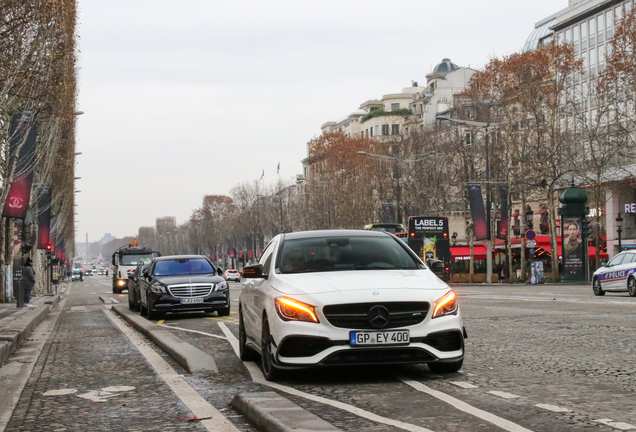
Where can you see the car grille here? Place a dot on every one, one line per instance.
(379, 356)
(189, 291)
(356, 315)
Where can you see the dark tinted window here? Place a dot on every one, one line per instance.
(344, 253)
(133, 259)
(183, 267)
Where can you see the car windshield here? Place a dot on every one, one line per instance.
(134, 259)
(320, 254)
(183, 266)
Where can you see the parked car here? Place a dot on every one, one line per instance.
(232, 275)
(346, 298)
(618, 275)
(133, 285)
(183, 283)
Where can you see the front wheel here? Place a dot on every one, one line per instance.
(152, 313)
(446, 367)
(270, 372)
(596, 287)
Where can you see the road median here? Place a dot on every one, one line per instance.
(190, 357)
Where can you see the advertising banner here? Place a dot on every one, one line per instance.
(22, 160)
(477, 210)
(572, 246)
(503, 226)
(428, 237)
(44, 216)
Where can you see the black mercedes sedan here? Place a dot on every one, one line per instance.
(182, 283)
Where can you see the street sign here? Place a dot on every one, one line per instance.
(531, 243)
(531, 235)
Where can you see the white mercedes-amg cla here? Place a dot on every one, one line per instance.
(323, 298)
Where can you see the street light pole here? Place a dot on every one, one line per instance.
(619, 224)
(488, 205)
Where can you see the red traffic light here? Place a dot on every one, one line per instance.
(48, 247)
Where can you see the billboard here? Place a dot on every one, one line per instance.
(428, 237)
(477, 210)
(572, 246)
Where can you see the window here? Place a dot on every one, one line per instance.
(609, 24)
(583, 35)
(376, 132)
(385, 129)
(616, 260)
(371, 130)
(586, 65)
(395, 106)
(561, 37)
(592, 25)
(183, 266)
(395, 129)
(592, 62)
(266, 258)
(576, 39)
(600, 24)
(469, 138)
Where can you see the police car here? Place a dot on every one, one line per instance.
(619, 274)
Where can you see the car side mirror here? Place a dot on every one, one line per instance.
(146, 275)
(219, 271)
(254, 271)
(603, 263)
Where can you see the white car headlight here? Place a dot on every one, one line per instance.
(447, 305)
(292, 310)
(221, 286)
(157, 288)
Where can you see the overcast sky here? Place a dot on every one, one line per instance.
(188, 98)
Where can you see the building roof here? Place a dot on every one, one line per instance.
(445, 66)
(540, 32)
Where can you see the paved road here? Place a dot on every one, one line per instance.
(88, 375)
(539, 358)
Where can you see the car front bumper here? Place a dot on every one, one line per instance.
(216, 300)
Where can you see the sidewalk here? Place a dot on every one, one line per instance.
(16, 324)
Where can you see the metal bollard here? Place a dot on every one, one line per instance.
(18, 290)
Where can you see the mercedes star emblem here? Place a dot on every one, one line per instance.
(378, 316)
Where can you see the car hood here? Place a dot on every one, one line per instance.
(187, 279)
(357, 280)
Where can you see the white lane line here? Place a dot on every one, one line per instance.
(463, 406)
(113, 300)
(503, 394)
(617, 425)
(194, 331)
(552, 408)
(189, 396)
(257, 377)
(464, 384)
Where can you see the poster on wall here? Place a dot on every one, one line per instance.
(572, 246)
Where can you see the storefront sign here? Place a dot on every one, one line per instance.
(630, 208)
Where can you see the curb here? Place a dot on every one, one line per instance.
(19, 329)
(273, 413)
(190, 357)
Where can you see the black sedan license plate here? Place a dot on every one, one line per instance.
(191, 300)
(379, 338)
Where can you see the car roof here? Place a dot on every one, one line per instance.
(175, 257)
(334, 233)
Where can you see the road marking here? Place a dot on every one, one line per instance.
(257, 377)
(78, 308)
(196, 331)
(160, 322)
(222, 319)
(503, 394)
(617, 425)
(552, 408)
(60, 392)
(464, 384)
(189, 396)
(113, 300)
(463, 406)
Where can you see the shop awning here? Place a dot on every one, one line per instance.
(541, 211)
(515, 214)
(463, 252)
(592, 253)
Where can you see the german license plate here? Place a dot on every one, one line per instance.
(191, 300)
(379, 338)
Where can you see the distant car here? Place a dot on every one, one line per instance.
(134, 278)
(180, 283)
(102, 272)
(76, 275)
(618, 275)
(88, 272)
(232, 275)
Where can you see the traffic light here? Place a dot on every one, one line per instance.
(587, 227)
(48, 250)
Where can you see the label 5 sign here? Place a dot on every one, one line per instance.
(428, 223)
